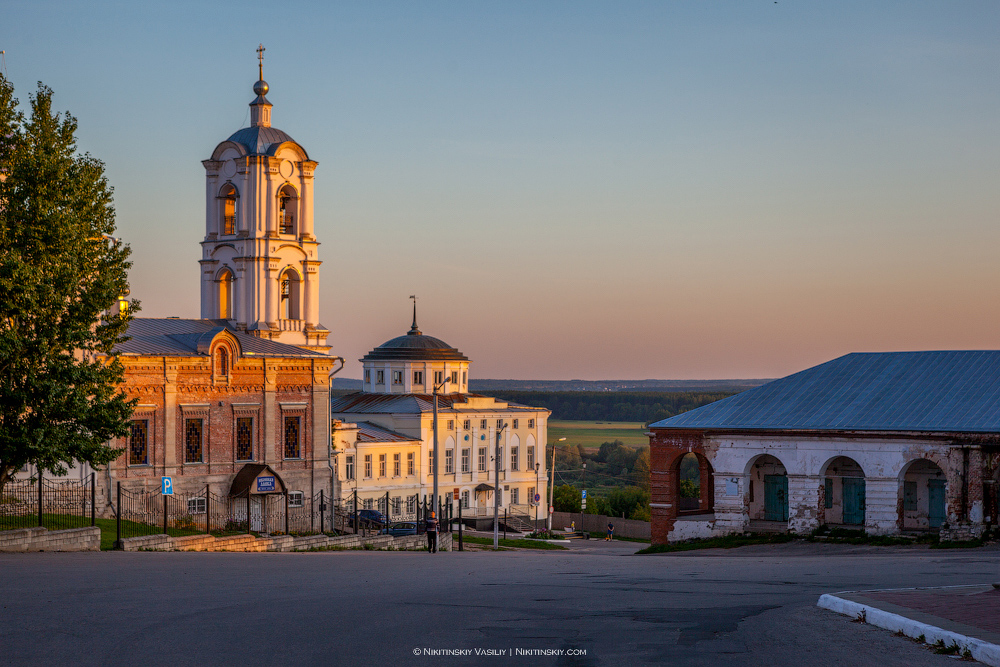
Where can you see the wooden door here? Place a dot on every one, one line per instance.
(935, 503)
(775, 498)
(854, 501)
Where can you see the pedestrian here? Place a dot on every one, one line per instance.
(432, 533)
(611, 532)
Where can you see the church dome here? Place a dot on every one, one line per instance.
(415, 346)
(260, 140)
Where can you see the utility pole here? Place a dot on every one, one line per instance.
(583, 500)
(552, 486)
(496, 491)
(434, 502)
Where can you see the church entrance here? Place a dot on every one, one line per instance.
(257, 498)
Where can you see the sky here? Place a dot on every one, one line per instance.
(573, 190)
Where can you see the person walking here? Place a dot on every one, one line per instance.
(432, 533)
(611, 532)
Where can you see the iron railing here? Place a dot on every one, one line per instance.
(47, 503)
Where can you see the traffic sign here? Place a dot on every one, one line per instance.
(551, 509)
(537, 497)
(167, 487)
(583, 504)
(584, 494)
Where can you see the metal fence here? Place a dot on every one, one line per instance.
(149, 512)
(53, 505)
(349, 517)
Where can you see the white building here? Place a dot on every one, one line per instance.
(384, 435)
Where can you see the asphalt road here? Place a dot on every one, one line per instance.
(751, 606)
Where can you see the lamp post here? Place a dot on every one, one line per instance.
(434, 501)
(496, 491)
(552, 486)
(537, 469)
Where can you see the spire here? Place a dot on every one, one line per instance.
(414, 331)
(260, 108)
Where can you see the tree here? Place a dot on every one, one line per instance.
(60, 278)
(566, 498)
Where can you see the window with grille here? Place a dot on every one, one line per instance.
(514, 496)
(368, 465)
(465, 500)
(381, 465)
(196, 505)
(531, 423)
(465, 460)
(397, 377)
(449, 461)
(531, 494)
(395, 465)
(293, 446)
(451, 424)
(349, 467)
(513, 459)
(513, 423)
(482, 459)
(531, 459)
(296, 499)
(467, 424)
(192, 440)
(244, 438)
(138, 443)
(409, 463)
(418, 377)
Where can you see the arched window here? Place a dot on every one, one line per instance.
(228, 196)
(222, 361)
(288, 201)
(225, 295)
(288, 307)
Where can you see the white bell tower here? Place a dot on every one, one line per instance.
(260, 263)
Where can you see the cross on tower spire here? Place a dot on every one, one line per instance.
(260, 62)
(414, 331)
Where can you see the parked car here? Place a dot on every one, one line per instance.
(368, 519)
(400, 528)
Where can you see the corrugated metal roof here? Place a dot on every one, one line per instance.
(177, 337)
(368, 432)
(948, 391)
(366, 403)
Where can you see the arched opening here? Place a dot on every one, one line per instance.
(695, 485)
(225, 284)
(842, 496)
(222, 361)
(288, 201)
(767, 490)
(228, 197)
(922, 504)
(288, 307)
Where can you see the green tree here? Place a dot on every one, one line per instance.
(60, 279)
(566, 498)
(632, 502)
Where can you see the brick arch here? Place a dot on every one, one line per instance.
(667, 448)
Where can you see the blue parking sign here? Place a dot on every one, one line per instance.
(167, 488)
(584, 494)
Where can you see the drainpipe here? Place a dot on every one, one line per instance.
(331, 446)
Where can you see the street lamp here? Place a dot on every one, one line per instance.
(496, 491)
(552, 486)
(434, 498)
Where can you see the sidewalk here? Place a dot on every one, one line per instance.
(968, 616)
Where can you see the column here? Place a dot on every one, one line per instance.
(803, 503)
(881, 505)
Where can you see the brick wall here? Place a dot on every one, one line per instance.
(666, 448)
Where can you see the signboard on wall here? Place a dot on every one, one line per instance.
(266, 484)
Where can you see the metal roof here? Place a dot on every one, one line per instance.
(368, 432)
(176, 337)
(948, 391)
(366, 403)
(258, 140)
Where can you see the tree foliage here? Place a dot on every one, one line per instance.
(566, 498)
(60, 278)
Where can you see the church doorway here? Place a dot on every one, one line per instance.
(257, 498)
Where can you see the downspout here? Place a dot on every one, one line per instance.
(331, 446)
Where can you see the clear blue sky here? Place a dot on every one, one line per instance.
(578, 189)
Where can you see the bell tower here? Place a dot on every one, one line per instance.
(260, 262)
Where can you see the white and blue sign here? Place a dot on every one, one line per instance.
(265, 484)
(584, 494)
(167, 486)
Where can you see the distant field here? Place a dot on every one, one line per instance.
(592, 434)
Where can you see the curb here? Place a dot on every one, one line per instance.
(984, 652)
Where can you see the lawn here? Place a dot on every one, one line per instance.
(593, 434)
(518, 544)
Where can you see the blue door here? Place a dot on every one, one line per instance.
(775, 498)
(935, 502)
(854, 501)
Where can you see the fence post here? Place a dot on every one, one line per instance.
(286, 512)
(118, 520)
(93, 499)
(208, 511)
(356, 512)
(248, 511)
(505, 524)
(322, 506)
(388, 510)
(460, 526)
(38, 468)
(165, 514)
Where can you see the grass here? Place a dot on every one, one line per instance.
(593, 434)
(725, 542)
(598, 535)
(517, 544)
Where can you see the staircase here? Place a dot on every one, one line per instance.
(520, 524)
